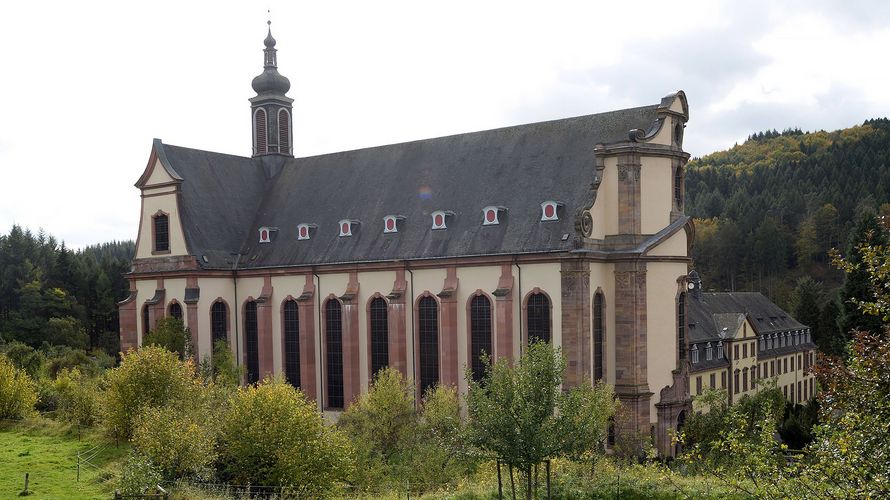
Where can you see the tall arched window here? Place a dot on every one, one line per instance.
(260, 135)
(219, 322)
(146, 320)
(175, 310)
(251, 342)
(283, 132)
(428, 333)
(379, 335)
(681, 326)
(480, 334)
(538, 318)
(333, 316)
(291, 319)
(598, 334)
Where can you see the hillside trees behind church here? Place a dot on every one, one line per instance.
(54, 295)
(768, 211)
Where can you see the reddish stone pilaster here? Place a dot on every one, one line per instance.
(351, 371)
(306, 304)
(127, 314)
(397, 318)
(159, 305)
(504, 314)
(575, 300)
(631, 372)
(192, 293)
(629, 194)
(264, 329)
(448, 362)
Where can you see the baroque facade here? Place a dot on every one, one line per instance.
(423, 255)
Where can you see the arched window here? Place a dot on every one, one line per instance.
(681, 326)
(333, 316)
(146, 320)
(251, 342)
(598, 334)
(161, 233)
(480, 334)
(259, 129)
(719, 349)
(708, 352)
(379, 335)
(175, 310)
(538, 318)
(678, 187)
(219, 322)
(694, 353)
(283, 132)
(428, 333)
(291, 319)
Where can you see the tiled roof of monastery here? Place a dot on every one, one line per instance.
(709, 315)
(226, 199)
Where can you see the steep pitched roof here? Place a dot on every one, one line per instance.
(709, 315)
(226, 199)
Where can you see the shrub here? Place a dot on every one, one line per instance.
(139, 474)
(223, 368)
(25, 357)
(17, 391)
(271, 435)
(171, 334)
(69, 359)
(47, 396)
(149, 377)
(78, 397)
(177, 441)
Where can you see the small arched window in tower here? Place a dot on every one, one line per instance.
(480, 334)
(379, 322)
(175, 311)
(161, 232)
(219, 321)
(291, 319)
(678, 187)
(428, 336)
(550, 210)
(599, 358)
(538, 316)
(251, 342)
(681, 326)
(284, 132)
(260, 135)
(333, 315)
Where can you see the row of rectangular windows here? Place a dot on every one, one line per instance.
(807, 391)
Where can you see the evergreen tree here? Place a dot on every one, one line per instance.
(868, 231)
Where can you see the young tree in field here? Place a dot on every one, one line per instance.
(171, 334)
(520, 415)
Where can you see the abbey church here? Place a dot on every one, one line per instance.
(426, 254)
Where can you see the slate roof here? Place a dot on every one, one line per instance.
(708, 315)
(226, 199)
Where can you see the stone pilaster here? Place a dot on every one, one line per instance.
(503, 347)
(397, 318)
(575, 284)
(192, 294)
(629, 212)
(306, 304)
(127, 314)
(448, 363)
(351, 371)
(631, 374)
(264, 329)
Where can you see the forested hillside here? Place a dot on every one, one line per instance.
(769, 210)
(49, 293)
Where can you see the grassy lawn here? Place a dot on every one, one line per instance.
(47, 450)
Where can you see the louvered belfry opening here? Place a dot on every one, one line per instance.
(251, 342)
(334, 344)
(219, 317)
(538, 318)
(480, 334)
(428, 333)
(379, 335)
(283, 132)
(292, 343)
(260, 132)
(162, 233)
(598, 333)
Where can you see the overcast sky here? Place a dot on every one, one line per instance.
(85, 86)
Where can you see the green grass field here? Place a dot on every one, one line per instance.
(47, 451)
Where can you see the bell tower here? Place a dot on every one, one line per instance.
(270, 110)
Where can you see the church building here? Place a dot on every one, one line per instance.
(426, 254)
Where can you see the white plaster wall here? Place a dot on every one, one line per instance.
(213, 288)
(547, 277)
(656, 189)
(661, 325)
(175, 289)
(150, 206)
(605, 208)
(674, 246)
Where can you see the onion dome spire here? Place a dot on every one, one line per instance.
(270, 81)
(270, 109)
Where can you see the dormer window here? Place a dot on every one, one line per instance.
(304, 231)
(720, 349)
(708, 352)
(490, 215)
(439, 217)
(550, 210)
(346, 227)
(694, 353)
(391, 223)
(266, 234)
